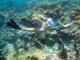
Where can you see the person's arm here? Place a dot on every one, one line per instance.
(43, 17)
(28, 29)
(37, 19)
(67, 25)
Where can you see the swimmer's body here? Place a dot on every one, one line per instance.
(42, 26)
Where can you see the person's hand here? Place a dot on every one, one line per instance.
(41, 15)
(59, 21)
(35, 18)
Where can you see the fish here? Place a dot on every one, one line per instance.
(76, 48)
(61, 45)
(62, 50)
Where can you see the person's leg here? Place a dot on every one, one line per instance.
(28, 29)
(32, 29)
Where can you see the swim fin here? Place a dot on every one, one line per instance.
(12, 24)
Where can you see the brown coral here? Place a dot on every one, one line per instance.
(34, 54)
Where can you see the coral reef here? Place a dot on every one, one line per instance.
(23, 45)
(34, 54)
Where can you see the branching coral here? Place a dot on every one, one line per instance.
(75, 14)
(77, 21)
(45, 6)
(77, 17)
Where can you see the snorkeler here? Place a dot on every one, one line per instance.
(41, 26)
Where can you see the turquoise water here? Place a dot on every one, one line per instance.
(22, 39)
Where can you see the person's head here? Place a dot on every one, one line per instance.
(56, 13)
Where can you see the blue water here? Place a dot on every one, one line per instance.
(7, 4)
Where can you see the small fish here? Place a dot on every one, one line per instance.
(61, 45)
(74, 45)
